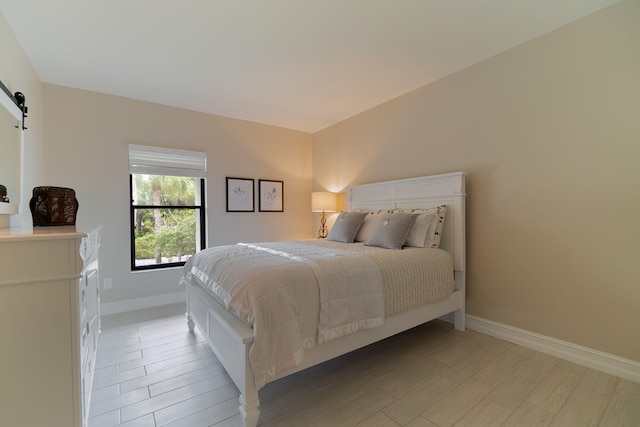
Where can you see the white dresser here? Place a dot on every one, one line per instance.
(49, 325)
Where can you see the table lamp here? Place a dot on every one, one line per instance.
(323, 201)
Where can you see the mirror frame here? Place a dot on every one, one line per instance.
(8, 102)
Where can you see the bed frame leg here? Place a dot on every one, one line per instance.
(190, 323)
(249, 412)
(459, 319)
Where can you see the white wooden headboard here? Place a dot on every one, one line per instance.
(423, 192)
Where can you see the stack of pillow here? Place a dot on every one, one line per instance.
(391, 229)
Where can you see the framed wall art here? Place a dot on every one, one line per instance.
(240, 195)
(271, 196)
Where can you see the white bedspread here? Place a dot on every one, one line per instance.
(294, 295)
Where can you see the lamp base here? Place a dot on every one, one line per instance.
(323, 231)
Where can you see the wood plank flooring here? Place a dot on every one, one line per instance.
(151, 372)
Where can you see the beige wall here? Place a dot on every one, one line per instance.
(18, 75)
(549, 133)
(87, 137)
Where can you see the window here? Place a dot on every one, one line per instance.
(167, 189)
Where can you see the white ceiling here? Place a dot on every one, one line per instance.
(299, 64)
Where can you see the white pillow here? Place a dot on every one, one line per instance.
(437, 234)
(426, 232)
(417, 237)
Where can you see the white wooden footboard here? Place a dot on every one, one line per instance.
(230, 339)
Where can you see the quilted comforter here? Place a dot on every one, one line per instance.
(296, 295)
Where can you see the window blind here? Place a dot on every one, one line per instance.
(147, 160)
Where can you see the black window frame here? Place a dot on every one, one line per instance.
(202, 216)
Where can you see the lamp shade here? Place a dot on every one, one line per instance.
(323, 201)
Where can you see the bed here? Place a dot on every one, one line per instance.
(232, 337)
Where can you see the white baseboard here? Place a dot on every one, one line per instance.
(138, 303)
(614, 365)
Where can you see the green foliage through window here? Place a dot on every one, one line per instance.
(167, 219)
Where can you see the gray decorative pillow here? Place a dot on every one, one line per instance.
(391, 230)
(368, 226)
(346, 226)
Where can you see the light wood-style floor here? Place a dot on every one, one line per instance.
(152, 372)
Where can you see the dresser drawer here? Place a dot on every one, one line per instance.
(85, 343)
(83, 296)
(38, 260)
(91, 279)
